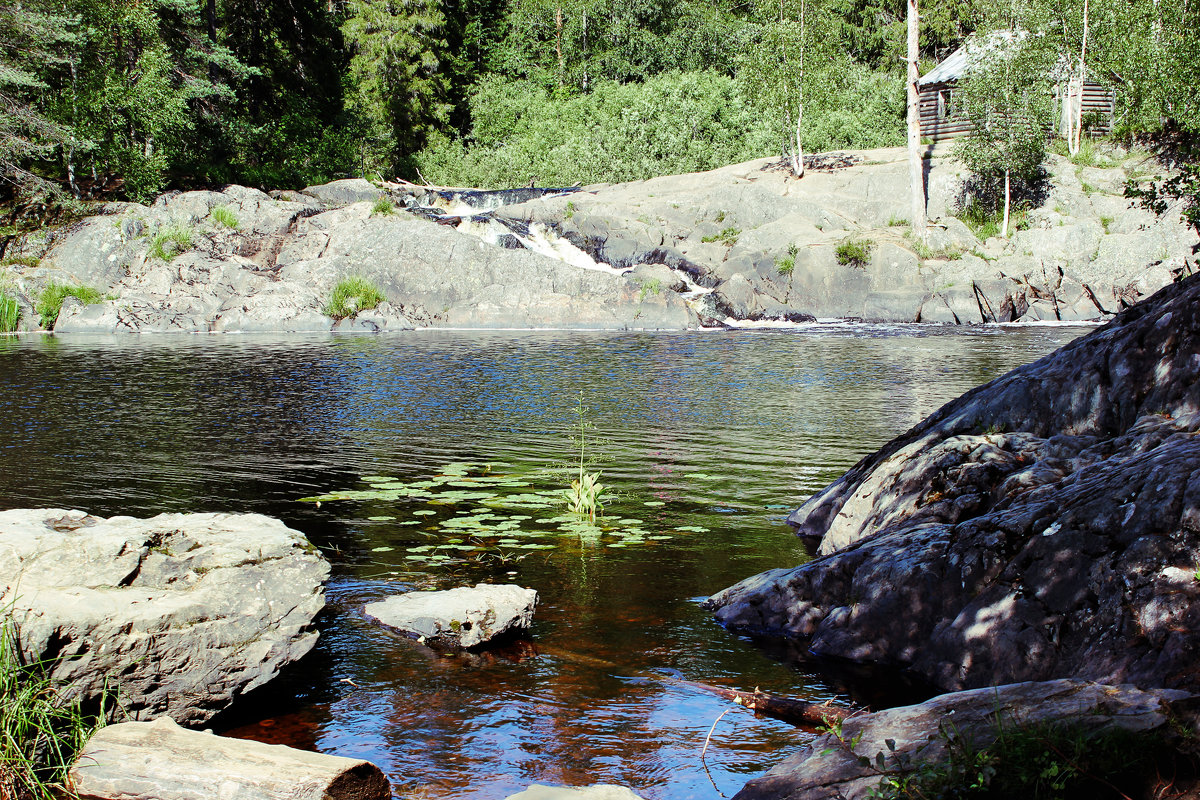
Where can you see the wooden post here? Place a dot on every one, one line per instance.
(161, 761)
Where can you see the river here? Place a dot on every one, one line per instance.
(437, 454)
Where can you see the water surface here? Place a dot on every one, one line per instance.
(719, 434)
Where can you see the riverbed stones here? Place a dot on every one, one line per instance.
(457, 618)
(161, 761)
(180, 614)
(1043, 526)
(846, 765)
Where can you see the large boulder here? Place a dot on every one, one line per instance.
(180, 613)
(1046, 525)
(457, 618)
(850, 763)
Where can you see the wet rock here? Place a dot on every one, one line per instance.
(912, 737)
(182, 613)
(458, 618)
(1042, 526)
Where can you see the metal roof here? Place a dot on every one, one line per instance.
(972, 50)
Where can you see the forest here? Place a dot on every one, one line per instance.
(124, 99)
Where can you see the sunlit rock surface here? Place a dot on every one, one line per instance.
(1045, 525)
(462, 617)
(179, 613)
(899, 739)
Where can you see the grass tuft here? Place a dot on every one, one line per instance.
(352, 295)
(223, 215)
(168, 242)
(10, 313)
(855, 253)
(50, 302)
(383, 205)
(727, 237)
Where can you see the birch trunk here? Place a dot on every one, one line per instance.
(916, 166)
(1007, 201)
(1073, 145)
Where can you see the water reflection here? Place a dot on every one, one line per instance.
(145, 425)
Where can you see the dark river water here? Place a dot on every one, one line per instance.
(452, 448)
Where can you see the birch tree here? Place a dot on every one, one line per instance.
(916, 164)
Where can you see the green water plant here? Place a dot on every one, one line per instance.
(51, 299)
(10, 313)
(41, 731)
(584, 495)
(352, 295)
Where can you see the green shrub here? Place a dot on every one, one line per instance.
(383, 205)
(50, 301)
(787, 264)
(168, 242)
(855, 252)
(352, 295)
(650, 286)
(1040, 762)
(10, 313)
(223, 215)
(40, 731)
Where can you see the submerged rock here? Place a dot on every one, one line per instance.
(459, 618)
(1046, 525)
(901, 740)
(180, 613)
(600, 791)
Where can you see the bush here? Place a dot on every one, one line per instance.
(168, 242)
(855, 253)
(352, 295)
(50, 302)
(40, 732)
(383, 205)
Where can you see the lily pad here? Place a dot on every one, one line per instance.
(382, 549)
(654, 503)
(381, 519)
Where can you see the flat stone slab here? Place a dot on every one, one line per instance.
(181, 613)
(458, 618)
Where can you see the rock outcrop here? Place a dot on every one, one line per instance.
(179, 613)
(900, 740)
(740, 245)
(1045, 525)
(457, 618)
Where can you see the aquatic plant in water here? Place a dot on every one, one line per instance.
(584, 495)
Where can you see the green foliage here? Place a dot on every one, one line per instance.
(10, 313)
(352, 295)
(650, 287)
(1181, 188)
(584, 495)
(1006, 96)
(168, 242)
(672, 123)
(854, 252)
(51, 299)
(25, 261)
(41, 731)
(223, 215)
(1040, 762)
(383, 205)
(727, 237)
(787, 264)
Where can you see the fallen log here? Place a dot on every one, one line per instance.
(161, 761)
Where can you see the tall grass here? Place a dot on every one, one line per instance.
(352, 295)
(50, 301)
(41, 731)
(10, 313)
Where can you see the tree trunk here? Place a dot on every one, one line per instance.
(558, 31)
(916, 165)
(787, 709)
(1007, 201)
(161, 761)
(798, 164)
(1073, 145)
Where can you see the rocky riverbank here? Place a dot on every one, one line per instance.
(746, 244)
(1041, 527)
